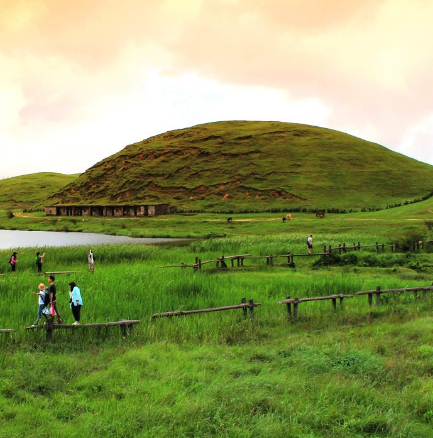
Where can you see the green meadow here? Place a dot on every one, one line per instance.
(359, 371)
(28, 191)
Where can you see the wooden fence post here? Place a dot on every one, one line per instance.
(334, 304)
(289, 308)
(344, 248)
(49, 334)
(377, 247)
(377, 296)
(251, 302)
(370, 299)
(243, 301)
(295, 310)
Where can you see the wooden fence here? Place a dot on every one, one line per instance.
(244, 305)
(328, 251)
(377, 293)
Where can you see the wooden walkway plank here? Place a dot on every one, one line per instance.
(60, 272)
(124, 324)
(243, 305)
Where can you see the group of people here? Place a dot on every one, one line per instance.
(47, 302)
(13, 260)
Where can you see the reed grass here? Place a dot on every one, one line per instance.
(357, 372)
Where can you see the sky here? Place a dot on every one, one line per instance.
(80, 80)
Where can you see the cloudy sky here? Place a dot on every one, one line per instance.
(79, 80)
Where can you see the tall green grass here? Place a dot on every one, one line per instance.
(358, 372)
(130, 283)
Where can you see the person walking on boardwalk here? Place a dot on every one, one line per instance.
(91, 260)
(53, 300)
(310, 243)
(39, 261)
(41, 302)
(13, 261)
(75, 301)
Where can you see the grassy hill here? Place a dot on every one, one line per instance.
(29, 191)
(238, 165)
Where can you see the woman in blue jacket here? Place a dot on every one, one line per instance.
(75, 301)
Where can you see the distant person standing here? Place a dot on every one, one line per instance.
(39, 261)
(53, 299)
(310, 243)
(91, 260)
(75, 301)
(13, 261)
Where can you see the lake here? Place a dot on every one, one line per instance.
(13, 239)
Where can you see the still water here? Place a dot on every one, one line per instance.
(13, 239)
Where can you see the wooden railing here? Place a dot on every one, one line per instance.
(377, 293)
(244, 305)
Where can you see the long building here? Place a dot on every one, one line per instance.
(108, 210)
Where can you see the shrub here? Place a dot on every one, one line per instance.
(10, 214)
(405, 240)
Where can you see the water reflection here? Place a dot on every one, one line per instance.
(12, 239)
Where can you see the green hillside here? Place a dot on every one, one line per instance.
(29, 191)
(241, 165)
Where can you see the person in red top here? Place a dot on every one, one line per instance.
(13, 261)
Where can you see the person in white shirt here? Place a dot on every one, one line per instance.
(310, 243)
(91, 261)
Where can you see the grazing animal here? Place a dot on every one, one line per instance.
(320, 213)
(229, 219)
(289, 216)
(284, 219)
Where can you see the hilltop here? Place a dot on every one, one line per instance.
(30, 191)
(239, 165)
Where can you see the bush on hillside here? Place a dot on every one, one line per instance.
(429, 224)
(406, 239)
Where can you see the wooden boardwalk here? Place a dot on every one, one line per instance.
(125, 325)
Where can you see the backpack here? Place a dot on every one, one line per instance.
(47, 298)
(307, 240)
